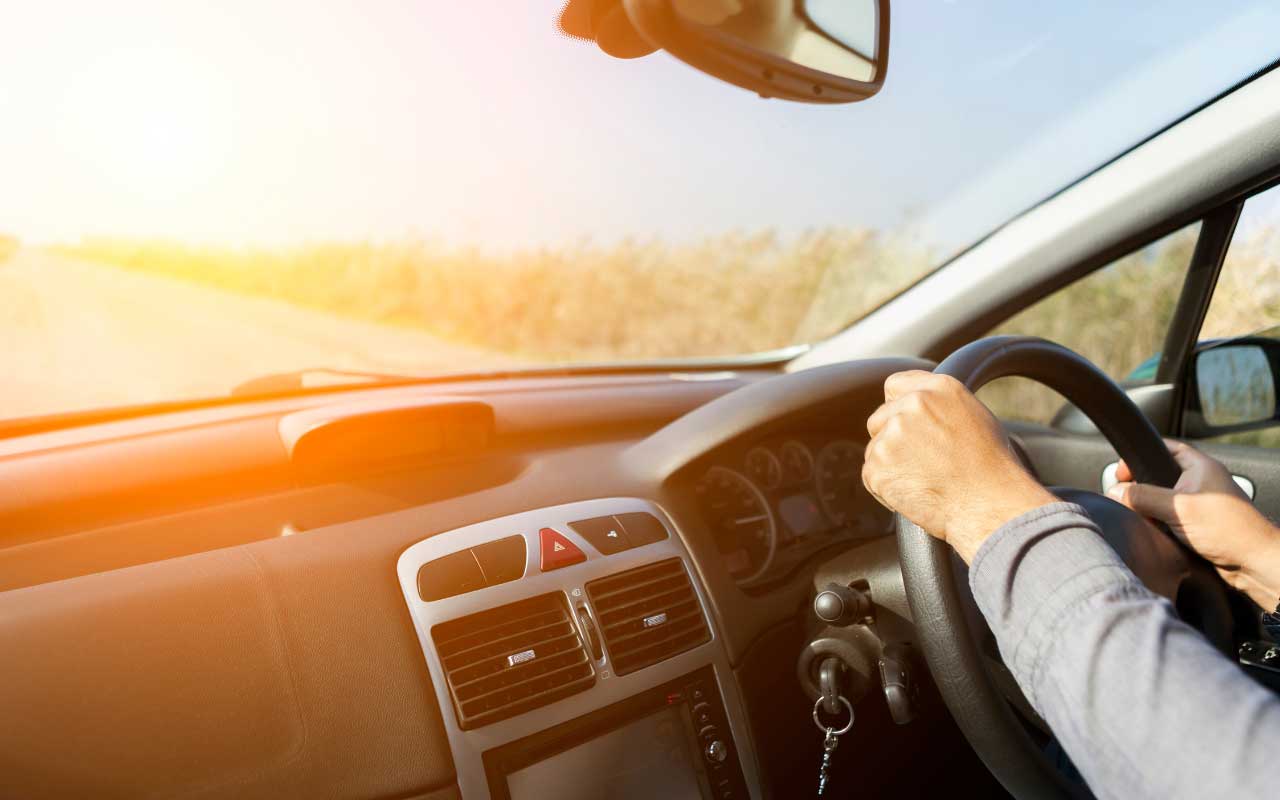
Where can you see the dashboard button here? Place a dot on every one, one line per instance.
(501, 561)
(557, 551)
(449, 575)
(604, 533)
(702, 715)
(642, 528)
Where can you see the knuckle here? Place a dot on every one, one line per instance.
(894, 427)
(947, 383)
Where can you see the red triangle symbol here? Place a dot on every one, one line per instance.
(557, 551)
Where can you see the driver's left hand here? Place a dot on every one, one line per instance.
(938, 457)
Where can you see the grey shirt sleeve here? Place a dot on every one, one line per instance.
(1142, 704)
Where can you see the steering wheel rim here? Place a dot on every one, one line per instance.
(939, 599)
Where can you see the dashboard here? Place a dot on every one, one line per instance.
(279, 547)
(773, 503)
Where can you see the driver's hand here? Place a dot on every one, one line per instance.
(1208, 511)
(938, 457)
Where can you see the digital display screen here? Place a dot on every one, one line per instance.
(800, 513)
(650, 757)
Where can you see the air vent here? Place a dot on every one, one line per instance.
(512, 659)
(648, 615)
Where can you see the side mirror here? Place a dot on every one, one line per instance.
(1232, 387)
(813, 51)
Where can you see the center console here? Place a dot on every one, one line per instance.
(573, 656)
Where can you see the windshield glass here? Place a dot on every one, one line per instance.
(197, 196)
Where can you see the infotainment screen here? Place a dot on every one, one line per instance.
(672, 741)
(650, 757)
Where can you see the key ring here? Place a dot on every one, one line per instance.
(824, 728)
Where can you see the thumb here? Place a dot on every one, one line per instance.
(1147, 500)
(1123, 473)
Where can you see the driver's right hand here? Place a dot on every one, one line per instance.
(1208, 511)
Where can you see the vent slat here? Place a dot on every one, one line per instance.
(538, 700)
(507, 644)
(647, 605)
(606, 586)
(497, 667)
(476, 652)
(550, 679)
(487, 634)
(624, 601)
(624, 634)
(659, 651)
(638, 586)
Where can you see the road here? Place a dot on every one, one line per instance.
(78, 335)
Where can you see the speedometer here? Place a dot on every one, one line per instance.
(738, 513)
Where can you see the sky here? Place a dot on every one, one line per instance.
(476, 124)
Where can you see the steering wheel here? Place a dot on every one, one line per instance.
(956, 643)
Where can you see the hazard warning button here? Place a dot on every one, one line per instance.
(558, 551)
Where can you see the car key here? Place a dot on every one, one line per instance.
(830, 740)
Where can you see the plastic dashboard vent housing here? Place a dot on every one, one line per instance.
(512, 659)
(648, 614)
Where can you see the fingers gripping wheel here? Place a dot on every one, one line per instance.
(937, 585)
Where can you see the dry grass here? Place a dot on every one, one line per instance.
(8, 246)
(634, 300)
(723, 295)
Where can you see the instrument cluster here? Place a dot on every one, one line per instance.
(777, 501)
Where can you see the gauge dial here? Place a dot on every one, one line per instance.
(797, 461)
(745, 529)
(839, 481)
(764, 468)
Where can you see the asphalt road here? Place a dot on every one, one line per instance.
(77, 335)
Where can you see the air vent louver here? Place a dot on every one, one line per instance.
(647, 615)
(512, 659)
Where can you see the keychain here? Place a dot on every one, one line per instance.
(830, 740)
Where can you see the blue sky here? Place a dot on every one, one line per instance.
(476, 124)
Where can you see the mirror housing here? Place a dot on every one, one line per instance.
(1232, 387)
(811, 51)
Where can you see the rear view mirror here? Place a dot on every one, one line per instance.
(815, 51)
(1233, 387)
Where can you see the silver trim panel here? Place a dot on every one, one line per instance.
(469, 746)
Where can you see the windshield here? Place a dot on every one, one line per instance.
(197, 196)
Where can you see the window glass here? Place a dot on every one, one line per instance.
(1246, 303)
(226, 199)
(1116, 317)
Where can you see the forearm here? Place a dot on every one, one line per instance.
(1142, 704)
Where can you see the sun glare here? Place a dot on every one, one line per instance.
(148, 122)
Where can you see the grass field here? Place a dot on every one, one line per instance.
(633, 300)
(736, 293)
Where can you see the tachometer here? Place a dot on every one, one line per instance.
(839, 481)
(745, 530)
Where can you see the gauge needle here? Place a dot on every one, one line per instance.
(749, 520)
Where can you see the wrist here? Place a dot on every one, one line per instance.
(1259, 573)
(1007, 501)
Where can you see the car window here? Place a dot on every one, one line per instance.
(1245, 306)
(1116, 317)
